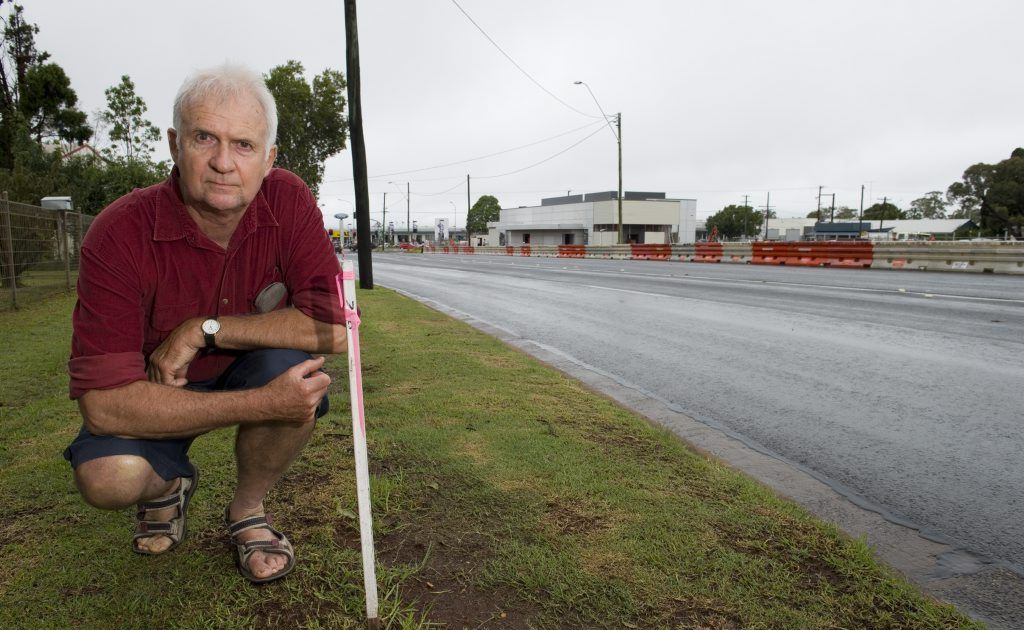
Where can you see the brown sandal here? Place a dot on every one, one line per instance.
(175, 528)
(244, 550)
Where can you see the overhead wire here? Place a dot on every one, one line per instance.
(466, 161)
(520, 68)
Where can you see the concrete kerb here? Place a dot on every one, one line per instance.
(987, 591)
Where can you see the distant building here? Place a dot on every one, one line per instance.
(592, 219)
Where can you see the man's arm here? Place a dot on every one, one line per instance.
(149, 410)
(284, 328)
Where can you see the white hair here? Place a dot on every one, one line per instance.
(222, 82)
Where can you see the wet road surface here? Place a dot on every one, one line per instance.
(902, 390)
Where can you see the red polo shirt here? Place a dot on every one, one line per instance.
(146, 267)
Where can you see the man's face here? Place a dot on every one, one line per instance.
(222, 160)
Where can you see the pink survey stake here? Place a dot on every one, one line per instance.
(352, 322)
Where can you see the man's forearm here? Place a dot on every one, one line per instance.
(147, 410)
(284, 328)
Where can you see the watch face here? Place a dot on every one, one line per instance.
(211, 326)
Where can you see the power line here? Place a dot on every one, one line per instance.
(537, 83)
(466, 161)
(572, 146)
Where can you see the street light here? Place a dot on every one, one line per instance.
(407, 203)
(618, 139)
(341, 216)
(455, 221)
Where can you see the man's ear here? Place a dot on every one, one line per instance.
(172, 142)
(271, 156)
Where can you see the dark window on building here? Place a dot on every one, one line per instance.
(526, 239)
(567, 239)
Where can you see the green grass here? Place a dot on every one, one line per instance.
(503, 492)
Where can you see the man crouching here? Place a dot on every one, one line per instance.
(200, 300)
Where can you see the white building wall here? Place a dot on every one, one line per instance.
(687, 225)
(564, 213)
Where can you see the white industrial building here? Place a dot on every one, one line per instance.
(592, 219)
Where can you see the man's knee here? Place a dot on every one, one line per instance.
(115, 481)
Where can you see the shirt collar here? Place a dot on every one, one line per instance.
(172, 221)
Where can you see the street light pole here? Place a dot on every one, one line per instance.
(618, 139)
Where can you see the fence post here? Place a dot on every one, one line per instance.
(5, 215)
(62, 247)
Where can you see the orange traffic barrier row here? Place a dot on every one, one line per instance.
(650, 252)
(708, 252)
(572, 251)
(810, 254)
(524, 250)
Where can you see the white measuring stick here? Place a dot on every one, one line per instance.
(347, 295)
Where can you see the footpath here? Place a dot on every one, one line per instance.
(505, 494)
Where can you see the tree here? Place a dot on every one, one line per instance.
(992, 195)
(883, 212)
(969, 193)
(134, 135)
(311, 124)
(733, 221)
(36, 98)
(484, 210)
(1003, 210)
(931, 206)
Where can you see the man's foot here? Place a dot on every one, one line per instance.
(161, 523)
(264, 554)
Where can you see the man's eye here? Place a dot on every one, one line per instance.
(203, 137)
(246, 146)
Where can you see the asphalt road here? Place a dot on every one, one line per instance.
(903, 390)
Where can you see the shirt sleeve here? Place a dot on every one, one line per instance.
(312, 264)
(107, 338)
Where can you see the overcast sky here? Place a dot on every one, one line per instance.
(718, 99)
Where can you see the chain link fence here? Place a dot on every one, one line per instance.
(39, 250)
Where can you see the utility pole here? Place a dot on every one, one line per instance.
(358, 145)
(618, 122)
(618, 139)
(408, 214)
(767, 213)
(832, 216)
(881, 220)
(746, 204)
(469, 206)
(384, 221)
(819, 203)
(860, 217)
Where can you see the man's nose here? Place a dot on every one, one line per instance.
(221, 160)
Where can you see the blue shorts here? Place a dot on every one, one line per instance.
(169, 458)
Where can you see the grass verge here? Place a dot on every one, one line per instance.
(504, 494)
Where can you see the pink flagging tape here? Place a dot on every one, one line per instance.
(352, 322)
(351, 314)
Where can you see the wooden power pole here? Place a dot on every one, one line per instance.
(358, 145)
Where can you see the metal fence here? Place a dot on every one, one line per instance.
(39, 250)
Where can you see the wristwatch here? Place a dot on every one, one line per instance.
(210, 329)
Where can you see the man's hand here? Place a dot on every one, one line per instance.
(294, 395)
(168, 364)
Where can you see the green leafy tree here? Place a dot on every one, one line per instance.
(311, 122)
(969, 193)
(133, 135)
(484, 210)
(883, 212)
(1003, 207)
(931, 206)
(733, 221)
(846, 213)
(36, 98)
